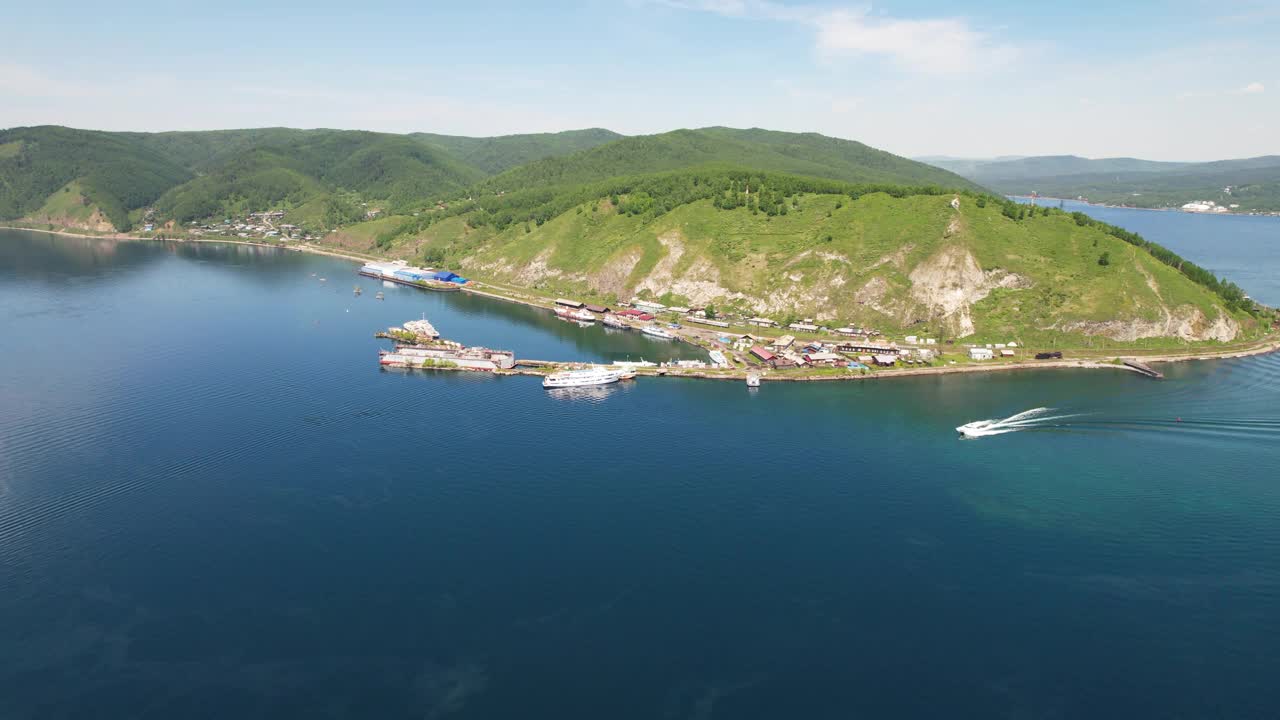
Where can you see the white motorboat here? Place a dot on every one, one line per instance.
(655, 331)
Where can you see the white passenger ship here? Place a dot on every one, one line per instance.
(581, 378)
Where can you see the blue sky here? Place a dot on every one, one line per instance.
(1179, 80)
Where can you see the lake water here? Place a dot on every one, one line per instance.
(214, 504)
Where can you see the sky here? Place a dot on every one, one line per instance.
(1175, 80)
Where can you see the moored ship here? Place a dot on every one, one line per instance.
(582, 378)
(655, 331)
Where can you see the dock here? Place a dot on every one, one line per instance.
(1143, 368)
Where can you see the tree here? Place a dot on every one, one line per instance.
(710, 311)
(1104, 259)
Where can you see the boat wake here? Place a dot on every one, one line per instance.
(1036, 418)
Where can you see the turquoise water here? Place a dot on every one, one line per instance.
(214, 504)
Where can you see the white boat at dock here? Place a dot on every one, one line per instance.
(611, 320)
(582, 378)
(655, 331)
(753, 380)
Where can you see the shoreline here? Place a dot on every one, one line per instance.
(1259, 213)
(1262, 347)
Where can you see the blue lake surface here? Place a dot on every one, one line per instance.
(214, 504)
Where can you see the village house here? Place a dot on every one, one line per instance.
(981, 353)
(762, 322)
(783, 342)
(803, 327)
(825, 358)
(868, 348)
(648, 305)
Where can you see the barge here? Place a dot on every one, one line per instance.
(447, 355)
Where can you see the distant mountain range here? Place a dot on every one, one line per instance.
(1251, 183)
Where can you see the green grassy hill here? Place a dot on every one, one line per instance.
(1254, 182)
(988, 271)
(492, 155)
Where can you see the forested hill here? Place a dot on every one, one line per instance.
(114, 172)
(807, 154)
(102, 181)
(394, 169)
(492, 155)
(97, 180)
(1254, 183)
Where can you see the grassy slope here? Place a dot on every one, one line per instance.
(601, 253)
(493, 155)
(802, 154)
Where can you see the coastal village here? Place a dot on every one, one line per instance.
(256, 226)
(801, 350)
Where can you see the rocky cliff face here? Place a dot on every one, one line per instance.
(949, 283)
(1185, 323)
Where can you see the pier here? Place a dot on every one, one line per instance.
(1142, 368)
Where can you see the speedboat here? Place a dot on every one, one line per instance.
(975, 429)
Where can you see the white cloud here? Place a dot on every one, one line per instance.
(1253, 88)
(929, 45)
(941, 45)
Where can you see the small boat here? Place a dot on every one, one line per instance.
(611, 320)
(581, 378)
(630, 374)
(358, 290)
(753, 380)
(655, 331)
(378, 296)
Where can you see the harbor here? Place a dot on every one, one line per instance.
(417, 345)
